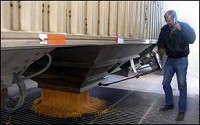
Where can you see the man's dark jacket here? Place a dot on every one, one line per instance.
(176, 42)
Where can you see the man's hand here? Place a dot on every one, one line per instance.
(160, 52)
(177, 26)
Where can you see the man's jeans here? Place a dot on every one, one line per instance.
(178, 66)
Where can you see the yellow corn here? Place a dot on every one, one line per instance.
(60, 104)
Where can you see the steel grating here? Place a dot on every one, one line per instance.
(125, 107)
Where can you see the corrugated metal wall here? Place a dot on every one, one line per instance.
(136, 19)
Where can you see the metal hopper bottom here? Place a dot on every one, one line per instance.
(80, 68)
(125, 107)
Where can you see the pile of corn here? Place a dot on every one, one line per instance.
(64, 104)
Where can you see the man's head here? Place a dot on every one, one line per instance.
(170, 17)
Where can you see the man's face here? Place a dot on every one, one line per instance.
(170, 21)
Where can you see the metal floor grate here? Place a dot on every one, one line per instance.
(125, 107)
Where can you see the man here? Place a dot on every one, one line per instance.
(174, 39)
